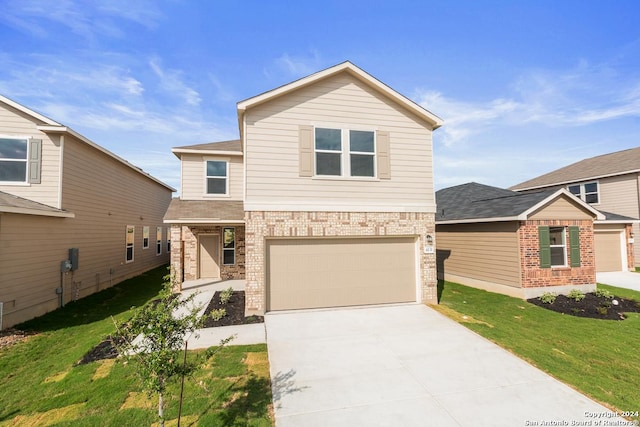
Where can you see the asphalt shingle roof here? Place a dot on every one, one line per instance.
(233, 145)
(479, 201)
(205, 210)
(599, 166)
(9, 202)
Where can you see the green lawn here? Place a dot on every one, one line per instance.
(600, 358)
(40, 383)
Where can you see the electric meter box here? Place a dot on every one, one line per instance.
(74, 253)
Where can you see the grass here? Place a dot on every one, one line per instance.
(40, 383)
(600, 358)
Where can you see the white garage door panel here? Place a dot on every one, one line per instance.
(313, 273)
(608, 250)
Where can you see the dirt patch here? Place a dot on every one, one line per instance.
(12, 336)
(592, 306)
(235, 311)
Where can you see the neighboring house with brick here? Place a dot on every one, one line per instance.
(74, 217)
(327, 198)
(518, 244)
(609, 183)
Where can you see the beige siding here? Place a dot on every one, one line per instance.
(619, 194)
(272, 152)
(16, 123)
(194, 177)
(561, 208)
(105, 197)
(487, 252)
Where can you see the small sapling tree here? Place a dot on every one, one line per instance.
(154, 339)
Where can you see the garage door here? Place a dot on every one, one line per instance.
(314, 273)
(608, 251)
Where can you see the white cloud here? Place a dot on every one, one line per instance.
(297, 66)
(570, 98)
(171, 82)
(87, 19)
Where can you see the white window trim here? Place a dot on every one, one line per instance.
(133, 244)
(158, 241)
(206, 178)
(345, 154)
(583, 193)
(145, 235)
(563, 245)
(26, 182)
(168, 239)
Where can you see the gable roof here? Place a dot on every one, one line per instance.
(18, 205)
(351, 69)
(473, 202)
(612, 164)
(229, 148)
(53, 127)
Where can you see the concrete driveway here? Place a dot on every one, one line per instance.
(405, 365)
(621, 279)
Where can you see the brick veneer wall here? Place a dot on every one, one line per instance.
(631, 260)
(534, 276)
(264, 224)
(185, 238)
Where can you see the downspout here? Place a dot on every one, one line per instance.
(60, 166)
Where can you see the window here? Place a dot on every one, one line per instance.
(553, 246)
(13, 159)
(328, 152)
(558, 247)
(228, 246)
(587, 191)
(129, 243)
(332, 160)
(362, 153)
(216, 177)
(145, 237)
(168, 239)
(158, 240)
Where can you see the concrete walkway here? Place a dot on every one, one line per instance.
(405, 365)
(621, 279)
(208, 337)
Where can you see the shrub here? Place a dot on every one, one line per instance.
(602, 310)
(548, 298)
(225, 295)
(604, 293)
(576, 294)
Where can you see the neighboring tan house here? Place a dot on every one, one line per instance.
(64, 198)
(326, 199)
(518, 244)
(611, 183)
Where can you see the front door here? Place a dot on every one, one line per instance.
(209, 257)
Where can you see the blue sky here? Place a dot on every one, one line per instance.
(524, 87)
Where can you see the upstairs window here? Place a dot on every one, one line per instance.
(340, 152)
(587, 191)
(328, 152)
(13, 159)
(217, 178)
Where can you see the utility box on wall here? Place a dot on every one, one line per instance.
(74, 253)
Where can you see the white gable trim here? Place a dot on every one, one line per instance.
(358, 73)
(560, 192)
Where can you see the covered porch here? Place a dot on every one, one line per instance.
(207, 242)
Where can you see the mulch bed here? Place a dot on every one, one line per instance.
(235, 316)
(235, 311)
(591, 306)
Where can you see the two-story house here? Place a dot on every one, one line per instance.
(327, 198)
(74, 217)
(611, 184)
